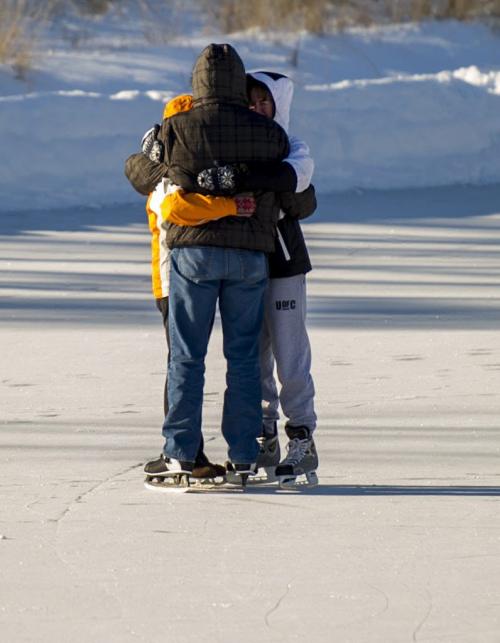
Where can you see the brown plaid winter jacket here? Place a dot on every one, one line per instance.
(220, 129)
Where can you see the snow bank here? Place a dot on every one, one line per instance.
(69, 148)
(393, 107)
(405, 130)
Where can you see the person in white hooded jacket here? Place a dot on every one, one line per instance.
(284, 339)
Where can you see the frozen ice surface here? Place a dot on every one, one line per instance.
(401, 542)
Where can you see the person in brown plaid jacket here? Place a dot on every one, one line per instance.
(222, 261)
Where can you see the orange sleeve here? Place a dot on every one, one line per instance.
(191, 209)
(156, 280)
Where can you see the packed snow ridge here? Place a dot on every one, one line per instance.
(392, 107)
(472, 75)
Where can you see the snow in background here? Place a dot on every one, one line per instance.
(382, 108)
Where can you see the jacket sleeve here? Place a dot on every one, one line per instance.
(273, 176)
(185, 180)
(191, 209)
(302, 162)
(144, 174)
(299, 205)
(293, 174)
(267, 176)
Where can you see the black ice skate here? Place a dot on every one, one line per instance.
(269, 455)
(301, 460)
(168, 472)
(207, 474)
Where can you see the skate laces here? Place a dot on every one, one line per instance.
(296, 450)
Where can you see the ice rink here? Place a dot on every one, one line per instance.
(401, 540)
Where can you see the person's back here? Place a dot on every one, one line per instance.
(222, 262)
(220, 130)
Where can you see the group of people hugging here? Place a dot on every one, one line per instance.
(226, 188)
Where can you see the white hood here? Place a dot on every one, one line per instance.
(281, 88)
(299, 158)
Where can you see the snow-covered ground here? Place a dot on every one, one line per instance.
(401, 542)
(387, 107)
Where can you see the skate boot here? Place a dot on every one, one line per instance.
(169, 471)
(207, 474)
(301, 460)
(238, 473)
(269, 452)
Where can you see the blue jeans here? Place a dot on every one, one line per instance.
(199, 276)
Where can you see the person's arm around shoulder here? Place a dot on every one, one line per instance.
(292, 174)
(299, 205)
(144, 174)
(192, 209)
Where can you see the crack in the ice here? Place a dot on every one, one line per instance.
(277, 604)
(85, 493)
(58, 519)
(424, 619)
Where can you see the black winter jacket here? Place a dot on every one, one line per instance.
(144, 174)
(220, 129)
(290, 256)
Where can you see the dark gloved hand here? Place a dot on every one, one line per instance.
(151, 146)
(225, 179)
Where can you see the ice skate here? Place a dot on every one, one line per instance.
(299, 467)
(239, 473)
(269, 456)
(207, 475)
(168, 474)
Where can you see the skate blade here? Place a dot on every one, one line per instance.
(195, 485)
(261, 478)
(303, 481)
(235, 480)
(220, 487)
(178, 483)
(163, 487)
(206, 484)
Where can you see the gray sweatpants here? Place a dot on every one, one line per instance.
(284, 341)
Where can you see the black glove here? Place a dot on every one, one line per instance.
(151, 146)
(225, 179)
